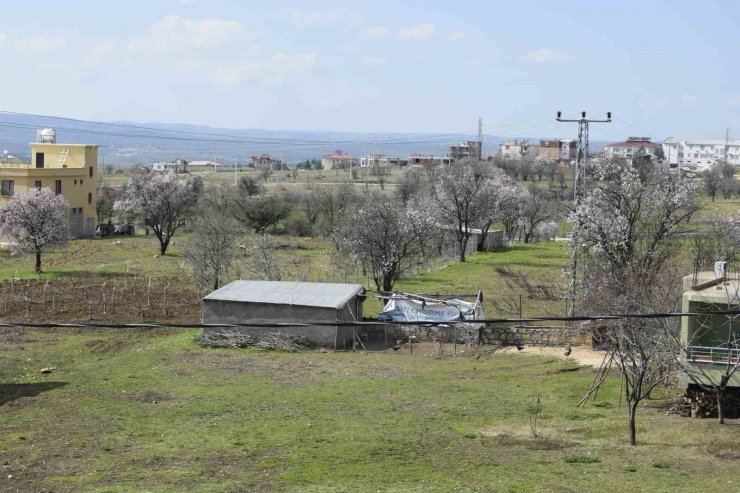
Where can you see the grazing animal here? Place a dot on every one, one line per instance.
(519, 345)
(567, 351)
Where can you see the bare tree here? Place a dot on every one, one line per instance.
(159, 201)
(211, 250)
(308, 204)
(265, 172)
(411, 183)
(536, 209)
(106, 198)
(35, 219)
(334, 202)
(263, 262)
(712, 179)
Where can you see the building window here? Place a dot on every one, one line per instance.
(7, 187)
(75, 182)
(89, 198)
(37, 184)
(91, 171)
(82, 181)
(58, 187)
(39, 159)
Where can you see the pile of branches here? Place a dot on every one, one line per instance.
(277, 341)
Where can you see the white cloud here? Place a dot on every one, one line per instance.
(421, 32)
(34, 45)
(300, 18)
(3, 38)
(545, 55)
(735, 101)
(474, 62)
(174, 33)
(688, 100)
(270, 71)
(457, 36)
(376, 32)
(373, 61)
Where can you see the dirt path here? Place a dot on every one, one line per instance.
(583, 355)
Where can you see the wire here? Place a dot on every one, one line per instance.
(324, 323)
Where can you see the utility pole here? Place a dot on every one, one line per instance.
(579, 193)
(727, 145)
(480, 138)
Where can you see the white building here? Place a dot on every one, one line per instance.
(628, 148)
(700, 152)
(337, 160)
(177, 166)
(374, 160)
(515, 149)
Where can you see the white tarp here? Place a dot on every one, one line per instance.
(411, 308)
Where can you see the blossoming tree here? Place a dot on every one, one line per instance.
(161, 202)
(35, 219)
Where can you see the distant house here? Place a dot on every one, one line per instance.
(269, 302)
(266, 160)
(423, 160)
(517, 149)
(560, 150)
(628, 148)
(176, 166)
(470, 149)
(337, 160)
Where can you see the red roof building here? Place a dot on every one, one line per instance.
(337, 160)
(629, 147)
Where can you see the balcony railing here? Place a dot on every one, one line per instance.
(14, 165)
(716, 355)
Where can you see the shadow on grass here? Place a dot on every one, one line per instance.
(12, 391)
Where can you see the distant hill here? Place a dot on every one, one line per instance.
(123, 144)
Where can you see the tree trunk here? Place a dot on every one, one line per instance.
(38, 261)
(163, 244)
(631, 411)
(720, 411)
(461, 245)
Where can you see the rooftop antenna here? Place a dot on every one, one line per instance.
(579, 193)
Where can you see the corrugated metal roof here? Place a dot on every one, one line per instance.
(288, 293)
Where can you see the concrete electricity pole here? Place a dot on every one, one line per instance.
(579, 193)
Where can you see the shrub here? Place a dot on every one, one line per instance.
(662, 464)
(581, 459)
(629, 469)
(605, 405)
(297, 227)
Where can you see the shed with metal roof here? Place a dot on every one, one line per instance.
(255, 302)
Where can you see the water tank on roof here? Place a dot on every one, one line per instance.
(46, 136)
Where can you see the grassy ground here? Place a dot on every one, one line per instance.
(128, 263)
(135, 411)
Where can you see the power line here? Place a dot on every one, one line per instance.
(372, 323)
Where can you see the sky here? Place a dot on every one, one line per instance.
(664, 68)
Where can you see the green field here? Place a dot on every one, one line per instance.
(134, 411)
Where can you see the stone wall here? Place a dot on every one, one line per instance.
(535, 335)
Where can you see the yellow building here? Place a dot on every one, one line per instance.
(68, 169)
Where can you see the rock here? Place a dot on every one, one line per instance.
(156, 256)
(46, 370)
(118, 242)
